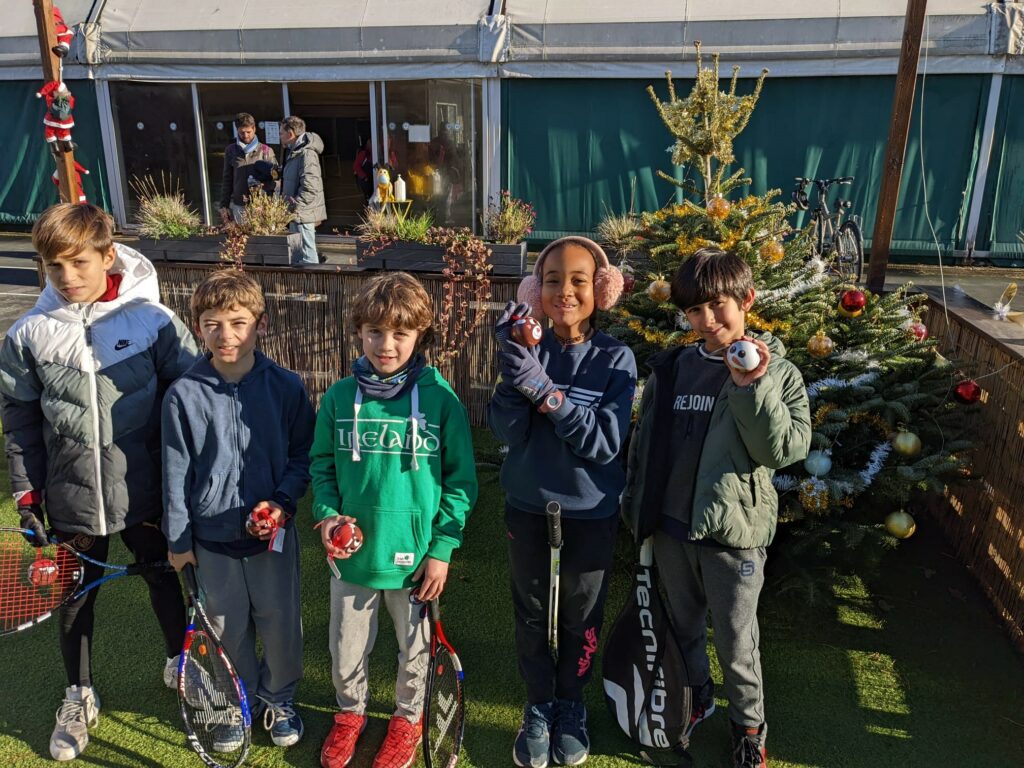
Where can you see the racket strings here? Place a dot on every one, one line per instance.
(210, 701)
(445, 711)
(33, 580)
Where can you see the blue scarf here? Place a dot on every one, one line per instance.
(380, 387)
(252, 146)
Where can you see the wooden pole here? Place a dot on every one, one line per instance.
(52, 70)
(899, 127)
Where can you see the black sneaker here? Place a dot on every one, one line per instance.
(570, 744)
(703, 706)
(748, 746)
(533, 742)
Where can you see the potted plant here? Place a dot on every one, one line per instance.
(391, 240)
(172, 231)
(507, 222)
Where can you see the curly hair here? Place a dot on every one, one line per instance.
(394, 300)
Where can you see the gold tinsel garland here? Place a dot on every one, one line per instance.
(821, 415)
(814, 495)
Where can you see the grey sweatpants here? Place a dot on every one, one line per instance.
(257, 594)
(698, 577)
(352, 633)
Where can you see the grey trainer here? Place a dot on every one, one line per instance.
(79, 712)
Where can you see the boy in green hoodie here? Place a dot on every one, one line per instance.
(392, 451)
(699, 481)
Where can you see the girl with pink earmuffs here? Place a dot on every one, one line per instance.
(563, 406)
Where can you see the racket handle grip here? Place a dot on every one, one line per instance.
(434, 608)
(189, 572)
(554, 510)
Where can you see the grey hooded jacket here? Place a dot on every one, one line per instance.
(80, 392)
(302, 180)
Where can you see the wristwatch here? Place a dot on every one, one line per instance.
(551, 402)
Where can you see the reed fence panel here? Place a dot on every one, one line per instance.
(307, 334)
(984, 518)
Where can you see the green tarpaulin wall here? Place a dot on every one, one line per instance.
(1002, 216)
(25, 186)
(573, 148)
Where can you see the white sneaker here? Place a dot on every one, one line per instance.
(171, 672)
(79, 711)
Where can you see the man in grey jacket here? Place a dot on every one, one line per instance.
(302, 185)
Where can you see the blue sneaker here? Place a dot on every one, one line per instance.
(570, 744)
(533, 742)
(283, 722)
(228, 737)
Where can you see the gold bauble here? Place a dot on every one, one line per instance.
(659, 291)
(718, 207)
(772, 252)
(906, 444)
(900, 524)
(820, 345)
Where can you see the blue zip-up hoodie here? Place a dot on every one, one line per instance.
(569, 455)
(228, 446)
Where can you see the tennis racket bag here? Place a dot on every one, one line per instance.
(646, 685)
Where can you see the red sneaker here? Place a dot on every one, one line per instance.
(340, 745)
(399, 747)
(748, 746)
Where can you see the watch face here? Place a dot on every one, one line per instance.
(552, 401)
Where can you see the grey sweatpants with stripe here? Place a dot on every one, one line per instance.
(699, 577)
(257, 595)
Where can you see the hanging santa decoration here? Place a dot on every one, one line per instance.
(80, 170)
(64, 35)
(58, 122)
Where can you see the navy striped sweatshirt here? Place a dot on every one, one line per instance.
(569, 455)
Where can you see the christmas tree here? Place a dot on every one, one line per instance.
(886, 425)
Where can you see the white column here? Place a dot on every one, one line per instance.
(373, 120)
(286, 100)
(384, 120)
(111, 155)
(204, 183)
(984, 157)
(490, 187)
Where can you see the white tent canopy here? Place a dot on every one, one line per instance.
(400, 39)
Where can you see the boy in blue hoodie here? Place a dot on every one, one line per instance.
(394, 453)
(563, 407)
(236, 434)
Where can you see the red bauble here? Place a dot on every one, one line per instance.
(527, 331)
(852, 303)
(260, 521)
(347, 537)
(628, 282)
(967, 391)
(918, 330)
(43, 572)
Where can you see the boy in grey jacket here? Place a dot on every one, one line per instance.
(237, 429)
(81, 376)
(700, 481)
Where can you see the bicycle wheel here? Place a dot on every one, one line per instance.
(849, 252)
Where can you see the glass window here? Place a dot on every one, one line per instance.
(219, 104)
(156, 134)
(432, 129)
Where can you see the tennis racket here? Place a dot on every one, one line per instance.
(35, 581)
(554, 510)
(444, 712)
(214, 706)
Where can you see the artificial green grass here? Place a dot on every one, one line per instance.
(911, 670)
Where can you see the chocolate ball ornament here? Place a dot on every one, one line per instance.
(43, 572)
(659, 291)
(259, 521)
(967, 391)
(820, 345)
(718, 207)
(527, 331)
(852, 303)
(772, 252)
(347, 537)
(743, 355)
(906, 444)
(900, 524)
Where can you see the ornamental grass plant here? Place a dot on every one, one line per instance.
(162, 210)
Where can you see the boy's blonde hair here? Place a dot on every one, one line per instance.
(67, 229)
(226, 289)
(394, 300)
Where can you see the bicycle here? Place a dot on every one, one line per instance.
(838, 243)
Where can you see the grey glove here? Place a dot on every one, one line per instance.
(521, 366)
(503, 328)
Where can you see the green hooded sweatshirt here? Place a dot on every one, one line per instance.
(409, 486)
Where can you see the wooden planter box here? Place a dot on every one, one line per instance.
(264, 250)
(508, 260)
